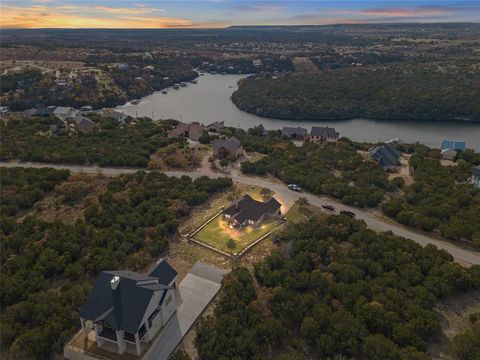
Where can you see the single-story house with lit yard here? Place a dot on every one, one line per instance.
(250, 212)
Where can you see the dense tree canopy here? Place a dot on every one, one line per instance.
(440, 198)
(405, 91)
(107, 145)
(48, 268)
(342, 291)
(338, 171)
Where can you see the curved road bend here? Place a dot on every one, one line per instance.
(287, 198)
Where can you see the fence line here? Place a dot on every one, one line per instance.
(205, 223)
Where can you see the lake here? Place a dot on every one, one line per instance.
(209, 101)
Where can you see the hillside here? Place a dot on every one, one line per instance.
(402, 91)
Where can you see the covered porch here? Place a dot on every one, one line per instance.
(117, 340)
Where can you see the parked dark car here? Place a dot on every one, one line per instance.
(328, 207)
(348, 213)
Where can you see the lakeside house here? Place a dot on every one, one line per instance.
(250, 212)
(453, 144)
(126, 307)
(117, 115)
(84, 124)
(192, 131)
(386, 156)
(66, 113)
(448, 154)
(476, 176)
(227, 148)
(324, 135)
(216, 126)
(294, 133)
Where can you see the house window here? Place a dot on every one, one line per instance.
(168, 300)
(227, 216)
(251, 222)
(150, 319)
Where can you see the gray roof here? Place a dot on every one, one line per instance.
(164, 272)
(249, 209)
(293, 131)
(231, 144)
(476, 171)
(217, 125)
(123, 308)
(385, 155)
(319, 131)
(84, 124)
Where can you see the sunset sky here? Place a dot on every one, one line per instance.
(220, 13)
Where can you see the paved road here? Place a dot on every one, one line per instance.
(287, 198)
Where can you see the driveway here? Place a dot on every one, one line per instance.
(288, 198)
(196, 290)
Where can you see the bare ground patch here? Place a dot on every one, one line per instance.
(454, 314)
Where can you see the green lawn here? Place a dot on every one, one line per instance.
(217, 234)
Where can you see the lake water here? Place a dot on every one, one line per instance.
(209, 101)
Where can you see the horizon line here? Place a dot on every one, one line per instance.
(258, 25)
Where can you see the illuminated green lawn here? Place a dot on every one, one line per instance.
(217, 234)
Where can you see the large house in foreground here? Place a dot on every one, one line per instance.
(386, 156)
(250, 212)
(128, 307)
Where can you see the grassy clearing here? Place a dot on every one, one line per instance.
(217, 234)
(297, 215)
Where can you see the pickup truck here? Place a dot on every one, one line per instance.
(348, 213)
(328, 207)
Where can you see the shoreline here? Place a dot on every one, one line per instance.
(401, 120)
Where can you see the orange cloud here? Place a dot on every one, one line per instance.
(38, 16)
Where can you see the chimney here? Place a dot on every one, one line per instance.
(114, 282)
